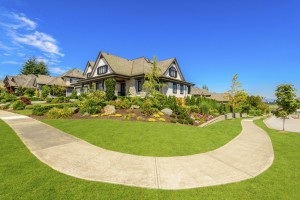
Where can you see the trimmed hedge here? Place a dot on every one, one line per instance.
(41, 110)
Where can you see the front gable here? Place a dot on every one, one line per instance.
(101, 67)
(88, 69)
(178, 74)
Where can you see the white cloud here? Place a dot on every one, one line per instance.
(25, 40)
(11, 62)
(57, 70)
(24, 21)
(40, 40)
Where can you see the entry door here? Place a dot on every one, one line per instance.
(123, 88)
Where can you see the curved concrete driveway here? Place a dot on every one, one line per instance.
(245, 157)
(291, 124)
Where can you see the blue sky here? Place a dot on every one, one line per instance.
(212, 40)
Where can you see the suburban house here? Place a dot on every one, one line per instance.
(129, 75)
(220, 97)
(36, 82)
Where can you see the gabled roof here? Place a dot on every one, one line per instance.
(89, 64)
(57, 81)
(75, 73)
(221, 97)
(44, 79)
(138, 66)
(199, 91)
(24, 80)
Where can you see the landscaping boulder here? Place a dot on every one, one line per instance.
(244, 115)
(108, 110)
(167, 111)
(228, 116)
(237, 115)
(75, 109)
(134, 107)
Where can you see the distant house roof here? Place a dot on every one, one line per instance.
(199, 91)
(1, 84)
(74, 73)
(44, 79)
(57, 81)
(24, 80)
(221, 97)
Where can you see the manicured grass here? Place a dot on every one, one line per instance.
(23, 112)
(24, 177)
(150, 139)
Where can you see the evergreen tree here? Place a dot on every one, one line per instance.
(32, 66)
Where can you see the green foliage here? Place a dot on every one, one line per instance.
(151, 83)
(120, 104)
(29, 92)
(92, 102)
(45, 91)
(74, 94)
(7, 97)
(172, 103)
(286, 99)
(147, 108)
(56, 113)
(20, 91)
(32, 66)
(40, 110)
(18, 105)
(58, 91)
(110, 85)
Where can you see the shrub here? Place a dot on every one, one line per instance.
(25, 100)
(190, 121)
(35, 99)
(38, 110)
(147, 108)
(29, 92)
(110, 85)
(180, 121)
(92, 102)
(49, 100)
(56, 113)
(6, 106)
(29, 107)
(136, 101)
(74, 94)
(18, 105)
(161, 119)
(195, 109)
(173, 116)
(140, 118)
(151, 120)
(45, 91)
(173, 121)
(20, 91)
(204, 108)
(55, 100)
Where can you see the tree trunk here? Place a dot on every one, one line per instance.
(283, 123)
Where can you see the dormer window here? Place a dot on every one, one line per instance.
(102, 70)
(172, 72)
(88, 75)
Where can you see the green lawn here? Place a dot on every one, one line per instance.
(23, 112)
(24, 177)
(150, 139)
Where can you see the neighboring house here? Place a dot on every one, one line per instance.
(220, 97)
(129, 75)
(1, 84)
(37, 81)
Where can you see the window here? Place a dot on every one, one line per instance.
(139, 85)
(189, 89)
(88, 75)
(174, 88)
(71, 80)
(181, 89)
(102, 69)
(172, 72)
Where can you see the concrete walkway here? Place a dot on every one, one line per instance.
(245, 157)
(292, 125)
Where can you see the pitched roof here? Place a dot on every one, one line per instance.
(136, 66)
(76, 73)
(44, 79)
(199, 91)
(221, 97)
(24, 80)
